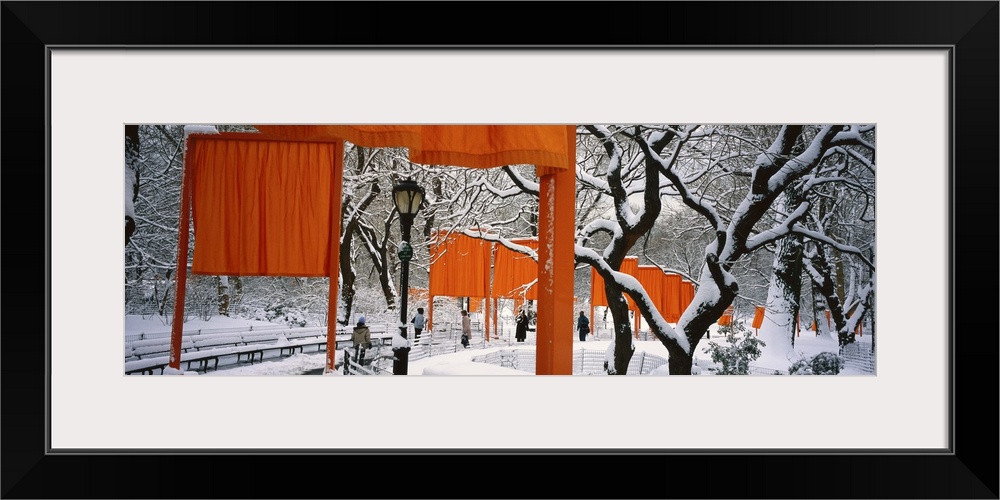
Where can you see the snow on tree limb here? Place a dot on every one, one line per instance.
(817, 236)
(635, 290)
(778, 231)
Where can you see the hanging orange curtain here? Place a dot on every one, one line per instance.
(513, 270)
(472, 146)
(630, 266)
(758, 316)
(260, 207)
(687, 294)
(672, 297)
(458, 264)
(597, 295)
(651, 279)
(727, 317)
(518, 304)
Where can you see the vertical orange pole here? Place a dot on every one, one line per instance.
(496, 327)
(177, 327)
(638, 322)
(556, 226)
(336, 195)
(430, 309)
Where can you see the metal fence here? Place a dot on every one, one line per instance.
(859, 356)
(585, 361)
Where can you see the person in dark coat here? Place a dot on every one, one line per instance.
(583, 326)
(521, 332)
(466, 328)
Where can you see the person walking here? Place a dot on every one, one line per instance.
(466, 328)
(521, 332)
(583, 326)
(362, 339)
(418, 323)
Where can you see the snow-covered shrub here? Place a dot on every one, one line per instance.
(824, 363)
(281, 313)
(742, 348)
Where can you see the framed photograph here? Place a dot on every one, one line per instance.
(924, 72)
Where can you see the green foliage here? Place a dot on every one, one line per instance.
(824, 363)
(742, 348)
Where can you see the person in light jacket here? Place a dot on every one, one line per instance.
(362, 339)
(418, 323)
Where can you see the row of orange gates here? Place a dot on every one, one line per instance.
(758, 321)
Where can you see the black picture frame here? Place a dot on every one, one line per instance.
(969, 28)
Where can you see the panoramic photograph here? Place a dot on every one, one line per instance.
(499, 250)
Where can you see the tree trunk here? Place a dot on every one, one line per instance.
(785, 289)
(826, 299)
(622, 329)
(347, 277)
(222, 294)
(131, 177)
(783, 295)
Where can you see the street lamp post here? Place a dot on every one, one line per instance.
(407, 196)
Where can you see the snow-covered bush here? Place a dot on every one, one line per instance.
(280, 313)
(824, 363)
(742, 348)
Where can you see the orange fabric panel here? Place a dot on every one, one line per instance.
(518, 305)
(418, 296)
(473, 146)
(262, 208)
(630, 266)
(597, 295)
(687, 294)
(512, 270)
(727, 317)
(458, 264)
(651, 279)
(672, 297)
(758, 316)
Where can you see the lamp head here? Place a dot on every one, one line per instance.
(407, 195)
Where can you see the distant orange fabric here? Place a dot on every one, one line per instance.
(513, 270)
(598, 297)
(459, 266)
(758, 316)
(672, 297)
(262, 208)
(727, 317)
(651, 279)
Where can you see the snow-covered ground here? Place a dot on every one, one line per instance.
(460, 363)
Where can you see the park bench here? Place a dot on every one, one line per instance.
(251, 351)
(255, 338)
(149, 365)
(153, 350)
(213, 341)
